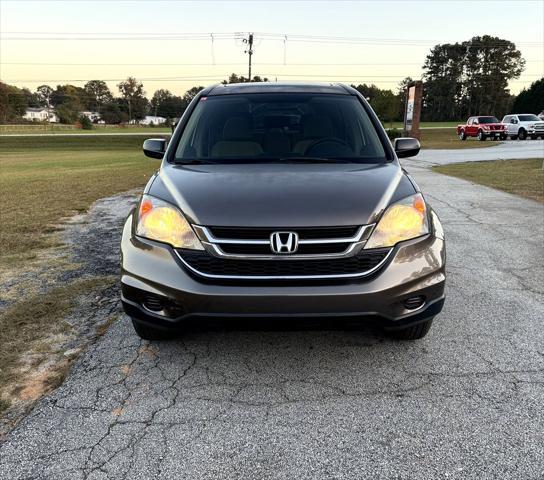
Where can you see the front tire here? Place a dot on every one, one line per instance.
(414, 332)
(503, 137)
(481, 136)
(462, 135)
(146, 332)
(522, 134)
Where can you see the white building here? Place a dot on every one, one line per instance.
(41, 114)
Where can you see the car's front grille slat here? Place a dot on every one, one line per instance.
(305, 233)
(359, 265)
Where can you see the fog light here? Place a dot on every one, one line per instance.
(161, 305)
(154, 302)
(411, 303)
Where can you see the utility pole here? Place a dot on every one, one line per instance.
(249, 51)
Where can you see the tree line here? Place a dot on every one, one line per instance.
(68, 101)
(460, 80)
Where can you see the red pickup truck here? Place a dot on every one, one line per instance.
(482, 128)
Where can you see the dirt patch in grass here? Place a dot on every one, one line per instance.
(446, 138)
(32, 334)
(520, 177)
(47, 378)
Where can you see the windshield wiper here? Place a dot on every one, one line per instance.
(294, 159)
(194, 161)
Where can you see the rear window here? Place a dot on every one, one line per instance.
(245, 128)
(485, 120)
(528, 118)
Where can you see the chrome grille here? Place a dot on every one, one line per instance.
(254, 243)
(246, 253)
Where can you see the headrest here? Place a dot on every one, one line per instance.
(276, 142)
(315, 126)
(237, 128)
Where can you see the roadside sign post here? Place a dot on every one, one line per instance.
(412, 112)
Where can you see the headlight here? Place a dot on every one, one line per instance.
(403, 220)
(531, 126)
(160, 221)
(485, 127)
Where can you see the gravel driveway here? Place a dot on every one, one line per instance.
(464, 403)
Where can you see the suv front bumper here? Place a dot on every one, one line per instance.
(416, 268)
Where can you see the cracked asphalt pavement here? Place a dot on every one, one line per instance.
(466, 402)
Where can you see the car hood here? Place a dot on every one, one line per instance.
(279, 195)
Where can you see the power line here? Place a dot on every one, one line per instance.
(324, 64)
(98, 36)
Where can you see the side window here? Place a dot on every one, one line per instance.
(475, 121)
(470, 121)
(514, 120)
(506, 119)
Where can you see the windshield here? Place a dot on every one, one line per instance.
(528, 118)
(286, 127)
(488, 120)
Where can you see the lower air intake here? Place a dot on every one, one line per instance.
(411, 303)
(358, 265)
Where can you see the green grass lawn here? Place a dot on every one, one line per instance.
(520, 177)
(45, 179)
(446, 138)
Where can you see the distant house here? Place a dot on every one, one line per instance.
(152, 120)
(92, 116)
(41, 115)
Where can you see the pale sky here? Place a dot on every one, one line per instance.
(73, 41)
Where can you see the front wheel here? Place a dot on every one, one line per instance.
(146, 332)
(481, 136)
(503, 137)
(462, 135)
(522, 134)
(415, 332)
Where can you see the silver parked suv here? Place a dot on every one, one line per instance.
(279, 200)
(523, 125)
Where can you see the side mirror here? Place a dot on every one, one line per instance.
(155, 147)
(406, 147)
